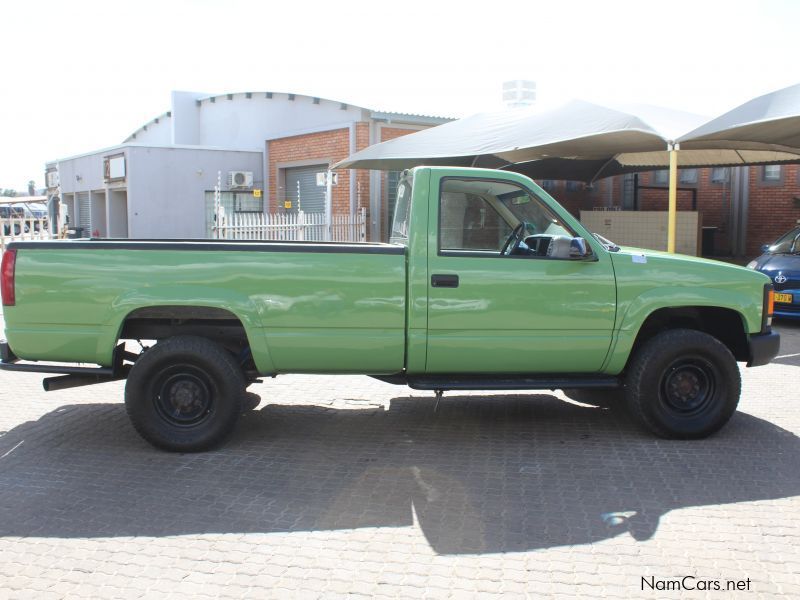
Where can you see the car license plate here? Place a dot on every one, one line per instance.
(786, 298)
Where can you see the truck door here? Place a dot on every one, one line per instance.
(530, 309)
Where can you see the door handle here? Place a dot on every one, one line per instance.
(444, 281)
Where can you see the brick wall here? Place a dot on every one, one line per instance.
(362, 175)
(772, 208)
(713, 202)
(773, 211)
(334, 146)
(324, 146)
(582, 198)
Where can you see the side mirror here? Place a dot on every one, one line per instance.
(765, 248)
(579, 249)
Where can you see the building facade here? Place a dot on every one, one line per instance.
(265, 150)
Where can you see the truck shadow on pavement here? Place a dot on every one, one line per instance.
(482, 474)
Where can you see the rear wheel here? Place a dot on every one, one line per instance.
(683, 384)
(185, 394)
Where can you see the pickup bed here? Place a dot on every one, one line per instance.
(488, 283)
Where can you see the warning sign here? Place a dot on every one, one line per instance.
(256, 193)
(287, 204)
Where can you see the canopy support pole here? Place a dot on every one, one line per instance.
(673, 196)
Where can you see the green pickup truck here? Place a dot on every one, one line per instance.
(487, 284)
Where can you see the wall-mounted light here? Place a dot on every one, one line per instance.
(78, 178)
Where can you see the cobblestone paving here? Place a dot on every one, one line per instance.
(348, 487)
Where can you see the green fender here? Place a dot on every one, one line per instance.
(642, 306)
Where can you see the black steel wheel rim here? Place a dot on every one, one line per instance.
(688, 386)
(183, 395)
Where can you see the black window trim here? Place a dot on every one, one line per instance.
(725, 180)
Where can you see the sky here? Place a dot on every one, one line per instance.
(82, 75)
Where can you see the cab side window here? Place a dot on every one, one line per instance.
(468, 222)
(498, 218)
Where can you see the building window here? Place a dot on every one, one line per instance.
(771, 173)
(661, 177)
(231, 203)
(246, 202)
(574, 186)
(688, 176)
(720, 174)
(114, 168)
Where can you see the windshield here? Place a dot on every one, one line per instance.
(789, 243)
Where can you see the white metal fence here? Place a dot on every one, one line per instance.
(18, 230)
(299, 226)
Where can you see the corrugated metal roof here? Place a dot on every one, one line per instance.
(376, 114)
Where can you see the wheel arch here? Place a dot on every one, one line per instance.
(230, 321)
(725, 324)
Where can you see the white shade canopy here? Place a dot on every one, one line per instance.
(585, 141)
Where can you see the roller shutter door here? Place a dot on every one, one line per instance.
(312, 196)
(84, 203)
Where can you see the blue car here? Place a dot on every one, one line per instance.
(781, 263)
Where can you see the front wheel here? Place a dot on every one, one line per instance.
(185, 394)
(683, 384)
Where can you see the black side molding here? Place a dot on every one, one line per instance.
(763, 347)
(460, 381)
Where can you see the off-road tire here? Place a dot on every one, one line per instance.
(683, 384)
(185, 394)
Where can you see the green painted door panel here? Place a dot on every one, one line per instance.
(518, 314)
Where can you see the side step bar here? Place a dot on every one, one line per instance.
(493, 382)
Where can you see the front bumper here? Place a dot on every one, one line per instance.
(789, 310)
(763, 347)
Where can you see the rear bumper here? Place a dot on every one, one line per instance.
(763, 347)
(6, 354)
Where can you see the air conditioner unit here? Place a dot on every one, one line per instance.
(240, 180)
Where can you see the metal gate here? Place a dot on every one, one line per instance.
(84, 203)
(312, 196)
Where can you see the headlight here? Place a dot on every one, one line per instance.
(752, 264)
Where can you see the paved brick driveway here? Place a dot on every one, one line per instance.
(344, 486)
